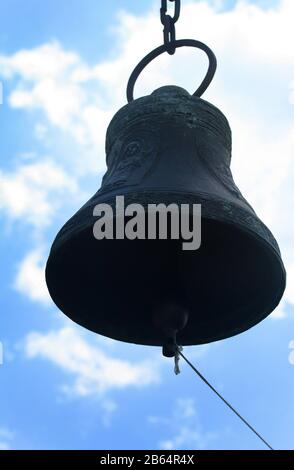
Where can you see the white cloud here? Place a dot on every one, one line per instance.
(109, 407)
(30, 279)
(288, 299)
(51, 80)
(183, 427)
(94, 371)
(291, 89)
(45, 81)
(39, 63)
(32, 193)
(6, 437)
(290, 284)
(280, 311)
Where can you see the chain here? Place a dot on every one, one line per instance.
(168, 21)
(170, 45)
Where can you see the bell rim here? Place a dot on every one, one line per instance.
(229, 333)
(267, 241)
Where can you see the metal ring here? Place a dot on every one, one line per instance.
(159, 50)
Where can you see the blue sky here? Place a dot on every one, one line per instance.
(64, 68)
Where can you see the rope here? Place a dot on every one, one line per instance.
(177, 359)
(179, 353)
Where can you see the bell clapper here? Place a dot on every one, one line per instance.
(170, 318)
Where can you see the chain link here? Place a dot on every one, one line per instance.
(168, 21)
(170, 45)
(163, 10)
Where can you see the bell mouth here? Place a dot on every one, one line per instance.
(113, 287)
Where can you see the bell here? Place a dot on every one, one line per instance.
(169, 147)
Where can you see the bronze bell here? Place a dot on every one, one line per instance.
(169, 147)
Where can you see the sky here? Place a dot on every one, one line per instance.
(64, 68)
